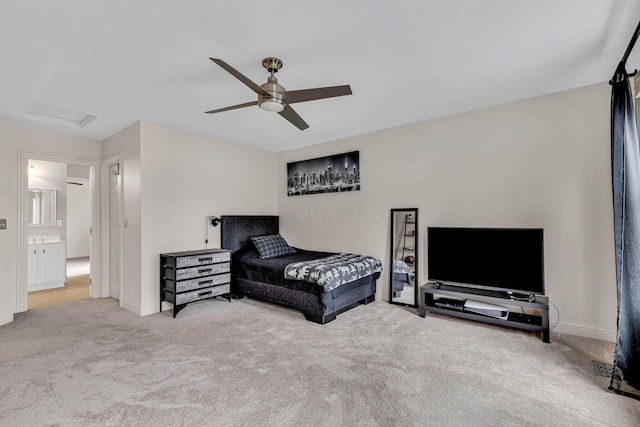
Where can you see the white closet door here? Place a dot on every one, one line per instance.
(115, 231)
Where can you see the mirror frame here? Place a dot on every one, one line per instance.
(415, 256)
(53, 208)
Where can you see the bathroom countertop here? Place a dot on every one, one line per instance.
(44, 239)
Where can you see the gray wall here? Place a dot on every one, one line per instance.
(13, 140)
(541, 162)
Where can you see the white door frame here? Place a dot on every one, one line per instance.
(105, 186)
(97, 287)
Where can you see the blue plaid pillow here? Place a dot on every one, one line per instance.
(271, 246)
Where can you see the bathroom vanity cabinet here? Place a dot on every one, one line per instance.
(47, 265)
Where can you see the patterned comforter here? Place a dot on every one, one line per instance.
(334, 270)
(401, 272)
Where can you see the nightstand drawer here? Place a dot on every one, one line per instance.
(203, 270)
(204, 293)
(194, 260)
(203, 282)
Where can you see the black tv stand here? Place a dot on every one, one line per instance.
(521, 297)
(515, 320)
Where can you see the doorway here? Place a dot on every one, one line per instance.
(60, 232)
(59, 229)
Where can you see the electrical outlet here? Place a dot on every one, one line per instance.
(3, 224)
(59, 222)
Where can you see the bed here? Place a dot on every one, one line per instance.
(264, 279)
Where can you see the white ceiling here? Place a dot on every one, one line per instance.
(406, 61)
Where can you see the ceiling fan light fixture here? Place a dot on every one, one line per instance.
(273, 105)
(275, 98)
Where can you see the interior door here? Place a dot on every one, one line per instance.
(115, 231)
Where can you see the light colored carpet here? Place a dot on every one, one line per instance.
(90, 363)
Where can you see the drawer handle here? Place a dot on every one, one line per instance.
(205, 282)
(205, 259)
(205, 270)
(201, 294)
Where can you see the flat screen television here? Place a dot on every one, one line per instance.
(500, 259)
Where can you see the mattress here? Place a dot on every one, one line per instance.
(248, 265)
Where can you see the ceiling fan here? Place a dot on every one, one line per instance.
(275, 98)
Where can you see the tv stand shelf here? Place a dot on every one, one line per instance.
(515, 320)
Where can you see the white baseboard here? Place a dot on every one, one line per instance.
(6, 316)
(139, 310)
(133, 308)
(47, 285)
(587, 331)
(563, 327)
(148, 309)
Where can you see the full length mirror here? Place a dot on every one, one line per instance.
(42, 207)
(404, 257)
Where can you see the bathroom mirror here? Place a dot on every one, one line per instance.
(42, 207)
(404, 257)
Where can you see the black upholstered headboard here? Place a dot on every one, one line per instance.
(236, 230)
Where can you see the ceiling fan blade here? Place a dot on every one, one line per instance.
(233, 107)
(291, 115)
(238, 75)
(303, 95)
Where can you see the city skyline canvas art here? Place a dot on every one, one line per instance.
(329, 174)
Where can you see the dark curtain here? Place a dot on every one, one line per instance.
(625, 165)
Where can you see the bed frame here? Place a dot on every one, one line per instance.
(236, 232)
